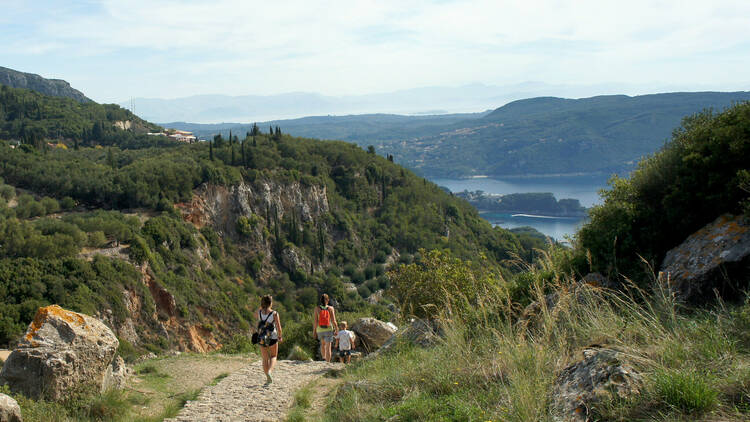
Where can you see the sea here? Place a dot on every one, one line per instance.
(583, 188)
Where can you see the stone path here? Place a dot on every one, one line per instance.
(244, 397)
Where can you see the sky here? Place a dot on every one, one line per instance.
(115, 50)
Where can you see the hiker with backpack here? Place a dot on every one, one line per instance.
(324, 326)
(268, 335)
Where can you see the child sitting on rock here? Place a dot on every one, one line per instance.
(345, 343)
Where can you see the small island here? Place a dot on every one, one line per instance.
(534, 203)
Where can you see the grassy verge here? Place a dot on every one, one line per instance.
(695, 364)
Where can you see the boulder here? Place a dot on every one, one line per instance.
(421, 332)
(371, 333)
(116, 375)
(9, 409)
(715, 257)
(62, 351)
(600, 376)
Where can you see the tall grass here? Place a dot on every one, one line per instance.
(493, 367)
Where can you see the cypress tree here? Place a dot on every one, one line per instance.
(244, 159)
(210, 150)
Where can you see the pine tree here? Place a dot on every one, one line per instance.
(210, 150)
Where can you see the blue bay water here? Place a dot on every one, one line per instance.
(583, 188)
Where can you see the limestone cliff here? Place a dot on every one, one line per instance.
(53, 87)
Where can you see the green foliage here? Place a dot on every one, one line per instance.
(239, 344)
(33, 118)
(439, 283)
(685, 390)
(694, 179)
(298, 353)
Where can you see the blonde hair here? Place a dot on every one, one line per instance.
(343, 324)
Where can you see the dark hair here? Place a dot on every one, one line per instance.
(266, 301)
(324, 299)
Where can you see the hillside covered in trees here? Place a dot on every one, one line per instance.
(545, 135)
(34, 118)
(173, 243)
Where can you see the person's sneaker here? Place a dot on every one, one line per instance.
(268, 379)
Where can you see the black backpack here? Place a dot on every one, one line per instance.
(265, 329)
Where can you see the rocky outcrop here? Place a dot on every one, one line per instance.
(715, 257)
(116, 375)
(220, 206)
(293, 260)
(53, 87)
(9, 409)
(421, 332)
(600, 376)
(62, 351)
(372, 333)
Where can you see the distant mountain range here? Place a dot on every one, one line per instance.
(537, 136)
(52, 87)
(417, 101)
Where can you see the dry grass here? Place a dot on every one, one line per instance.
(492, 368)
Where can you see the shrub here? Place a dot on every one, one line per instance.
(67, 203)
(439, 282)
(298, 353)
(694, 179)
(239, 344)
(686, 390)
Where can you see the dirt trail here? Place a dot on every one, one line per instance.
(243, 395)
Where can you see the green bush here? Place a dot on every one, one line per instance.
(298, 353)
(695, 178)
(686, 390)
(239, 344)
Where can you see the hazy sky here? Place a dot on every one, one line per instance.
(114, 50)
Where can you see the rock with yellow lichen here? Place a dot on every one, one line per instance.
(61, 353)
(715, 258)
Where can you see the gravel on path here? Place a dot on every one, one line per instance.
(244, 396)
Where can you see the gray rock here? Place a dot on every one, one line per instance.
(422, 333)
(294, 260)
(601, 375)
(371, 333)
(9, 409)
(116, 376)
(715, 257)
(62, 351)
(53, 87)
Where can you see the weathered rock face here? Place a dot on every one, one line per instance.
(372, 333)
(293, 260)
(601, 375)
(715, 257)
(53, 87)
(421, 332)
(9, 409)
(116, 375)
(220, 206)
(61, 351)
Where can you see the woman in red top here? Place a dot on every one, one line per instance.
(324, 326)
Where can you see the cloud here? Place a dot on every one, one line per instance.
(340, 47)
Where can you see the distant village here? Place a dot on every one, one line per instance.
(177, 135)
